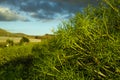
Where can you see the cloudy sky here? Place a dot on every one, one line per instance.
(38, 17)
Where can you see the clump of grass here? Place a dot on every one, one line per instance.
(85, 47)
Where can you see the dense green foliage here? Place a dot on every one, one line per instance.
(87, 47)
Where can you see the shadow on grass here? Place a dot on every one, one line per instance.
(17, 69)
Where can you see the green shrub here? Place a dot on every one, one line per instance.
(24, 40)
(9, 42)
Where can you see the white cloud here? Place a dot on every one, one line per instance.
(7, 14)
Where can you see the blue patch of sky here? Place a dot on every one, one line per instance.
(31, 28)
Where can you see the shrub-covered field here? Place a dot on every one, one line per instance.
(87, 47)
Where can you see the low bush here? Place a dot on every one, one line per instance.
(9, 42)
(24, 40)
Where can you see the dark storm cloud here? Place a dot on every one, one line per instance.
(42, 15)
(48, 9)
(7, 14)
(82, 3)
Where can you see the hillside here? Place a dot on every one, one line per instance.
(4, 35)
(4, 32)
(9, 34)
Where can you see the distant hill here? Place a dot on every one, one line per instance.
(9, 34)
(46, 36)
(5, 33)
